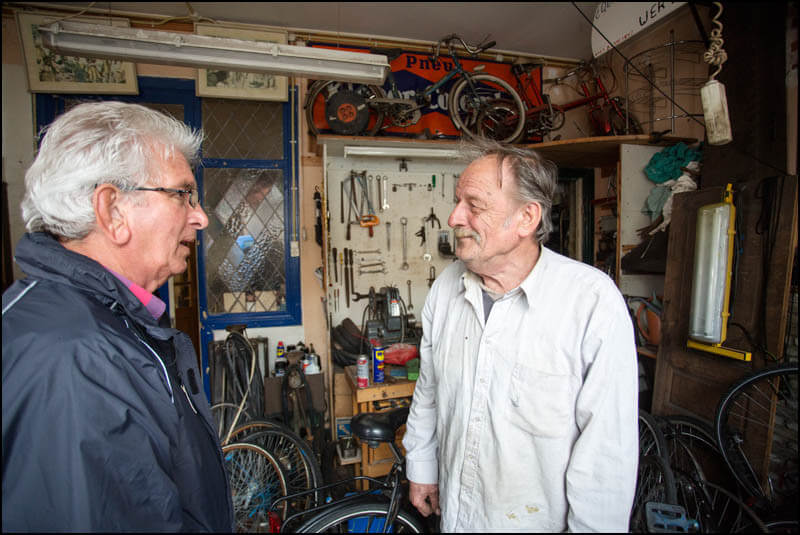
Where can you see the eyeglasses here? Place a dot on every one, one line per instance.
(190, 195)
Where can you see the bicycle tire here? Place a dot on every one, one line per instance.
(315, 109)
(296, 456)
(255, 476)
(363, 517)
(651, 438)
(464, 114)
(716, 509)
(496, 120)
(655, 482)
(692, 450)
(754, 422)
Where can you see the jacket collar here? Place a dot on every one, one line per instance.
(40, 255)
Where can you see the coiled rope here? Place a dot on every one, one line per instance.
(715, 55)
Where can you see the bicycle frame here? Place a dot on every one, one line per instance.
(429, 90)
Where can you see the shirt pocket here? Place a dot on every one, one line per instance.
(540, 403)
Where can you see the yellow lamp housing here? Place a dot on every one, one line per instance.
(711, 280)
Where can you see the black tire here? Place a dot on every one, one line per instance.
(466, 107)
(296, 456)
(256, 480)
(654, 483)
(360, 517)
(756, 418)
(692, 450)
(651, 439)
(320, 93)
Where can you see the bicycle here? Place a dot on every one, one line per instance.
(380, 509)
(756, 432)
(606, 113)
(357, 109)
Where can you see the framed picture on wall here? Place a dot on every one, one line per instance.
(49, 72)
(237, 84)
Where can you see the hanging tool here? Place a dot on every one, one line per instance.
(369, 219)
(352, 283)
(404, 223)
(431, 276)
(410, 304)
(442, 186)
(385, 204)
(335, 270)
(433, 219)
(318, 214)
(341, 202)
(346, 279)
(388, 235)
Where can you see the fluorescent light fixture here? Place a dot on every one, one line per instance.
(711, 280)
(399, 152)
(208, 52)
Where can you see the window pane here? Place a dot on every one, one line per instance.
(244, 241)
(242, 129)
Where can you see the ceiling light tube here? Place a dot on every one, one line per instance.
(399, 152)
(208, 52)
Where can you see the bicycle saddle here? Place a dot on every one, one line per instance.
(378, 426)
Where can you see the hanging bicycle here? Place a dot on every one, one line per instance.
(357, 109)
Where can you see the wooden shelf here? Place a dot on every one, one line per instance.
(580, 152)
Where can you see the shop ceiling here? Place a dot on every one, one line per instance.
(549, 29)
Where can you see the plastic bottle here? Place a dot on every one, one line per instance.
(280, 360)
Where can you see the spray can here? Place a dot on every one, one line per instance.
(280, 361)
(377, 361)
(362, 372)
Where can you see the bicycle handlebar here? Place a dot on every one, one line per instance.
(472, 50)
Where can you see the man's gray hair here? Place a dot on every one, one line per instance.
(97, 143)
(536, 177)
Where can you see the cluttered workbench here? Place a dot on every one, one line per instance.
(395, 391)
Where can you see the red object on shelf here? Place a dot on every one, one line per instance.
(399, 354)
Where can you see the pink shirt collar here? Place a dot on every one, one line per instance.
(153, 304)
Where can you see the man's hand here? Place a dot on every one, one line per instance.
(424, 497)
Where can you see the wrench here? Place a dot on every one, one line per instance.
(380, 193)
(388, 235)
(385, 203)
(410, 304)
(427, 255)
(404, 266)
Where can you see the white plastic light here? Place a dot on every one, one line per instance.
(399, 152)
(715, 111)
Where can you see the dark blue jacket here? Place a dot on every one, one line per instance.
(99, 433)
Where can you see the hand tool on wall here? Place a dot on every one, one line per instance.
(388, 235)
(404, 223)
(352, 283)
(341, 201)
(442, 186)
(335, 270)
(346, 279)
(379, 199)
(431, 276)
(433, 219)
(385, 204)
(410, 304)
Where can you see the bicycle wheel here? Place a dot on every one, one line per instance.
(473, 94)
(651, 439)
(756, 429)
(256, 480)
(343, 108)
(654, 483)
(692, 450)
(716, 509)
(497, 120)
(223, 414)
(296, 456)
(367, 516)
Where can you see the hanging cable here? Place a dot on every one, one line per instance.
(716, 55)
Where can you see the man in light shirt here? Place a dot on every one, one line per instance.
(524, 416)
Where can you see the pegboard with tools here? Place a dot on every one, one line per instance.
(388, 229)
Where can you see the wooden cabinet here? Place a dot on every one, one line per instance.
(376, 397)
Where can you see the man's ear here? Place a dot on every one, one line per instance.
(111, 215)
(530, 216)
